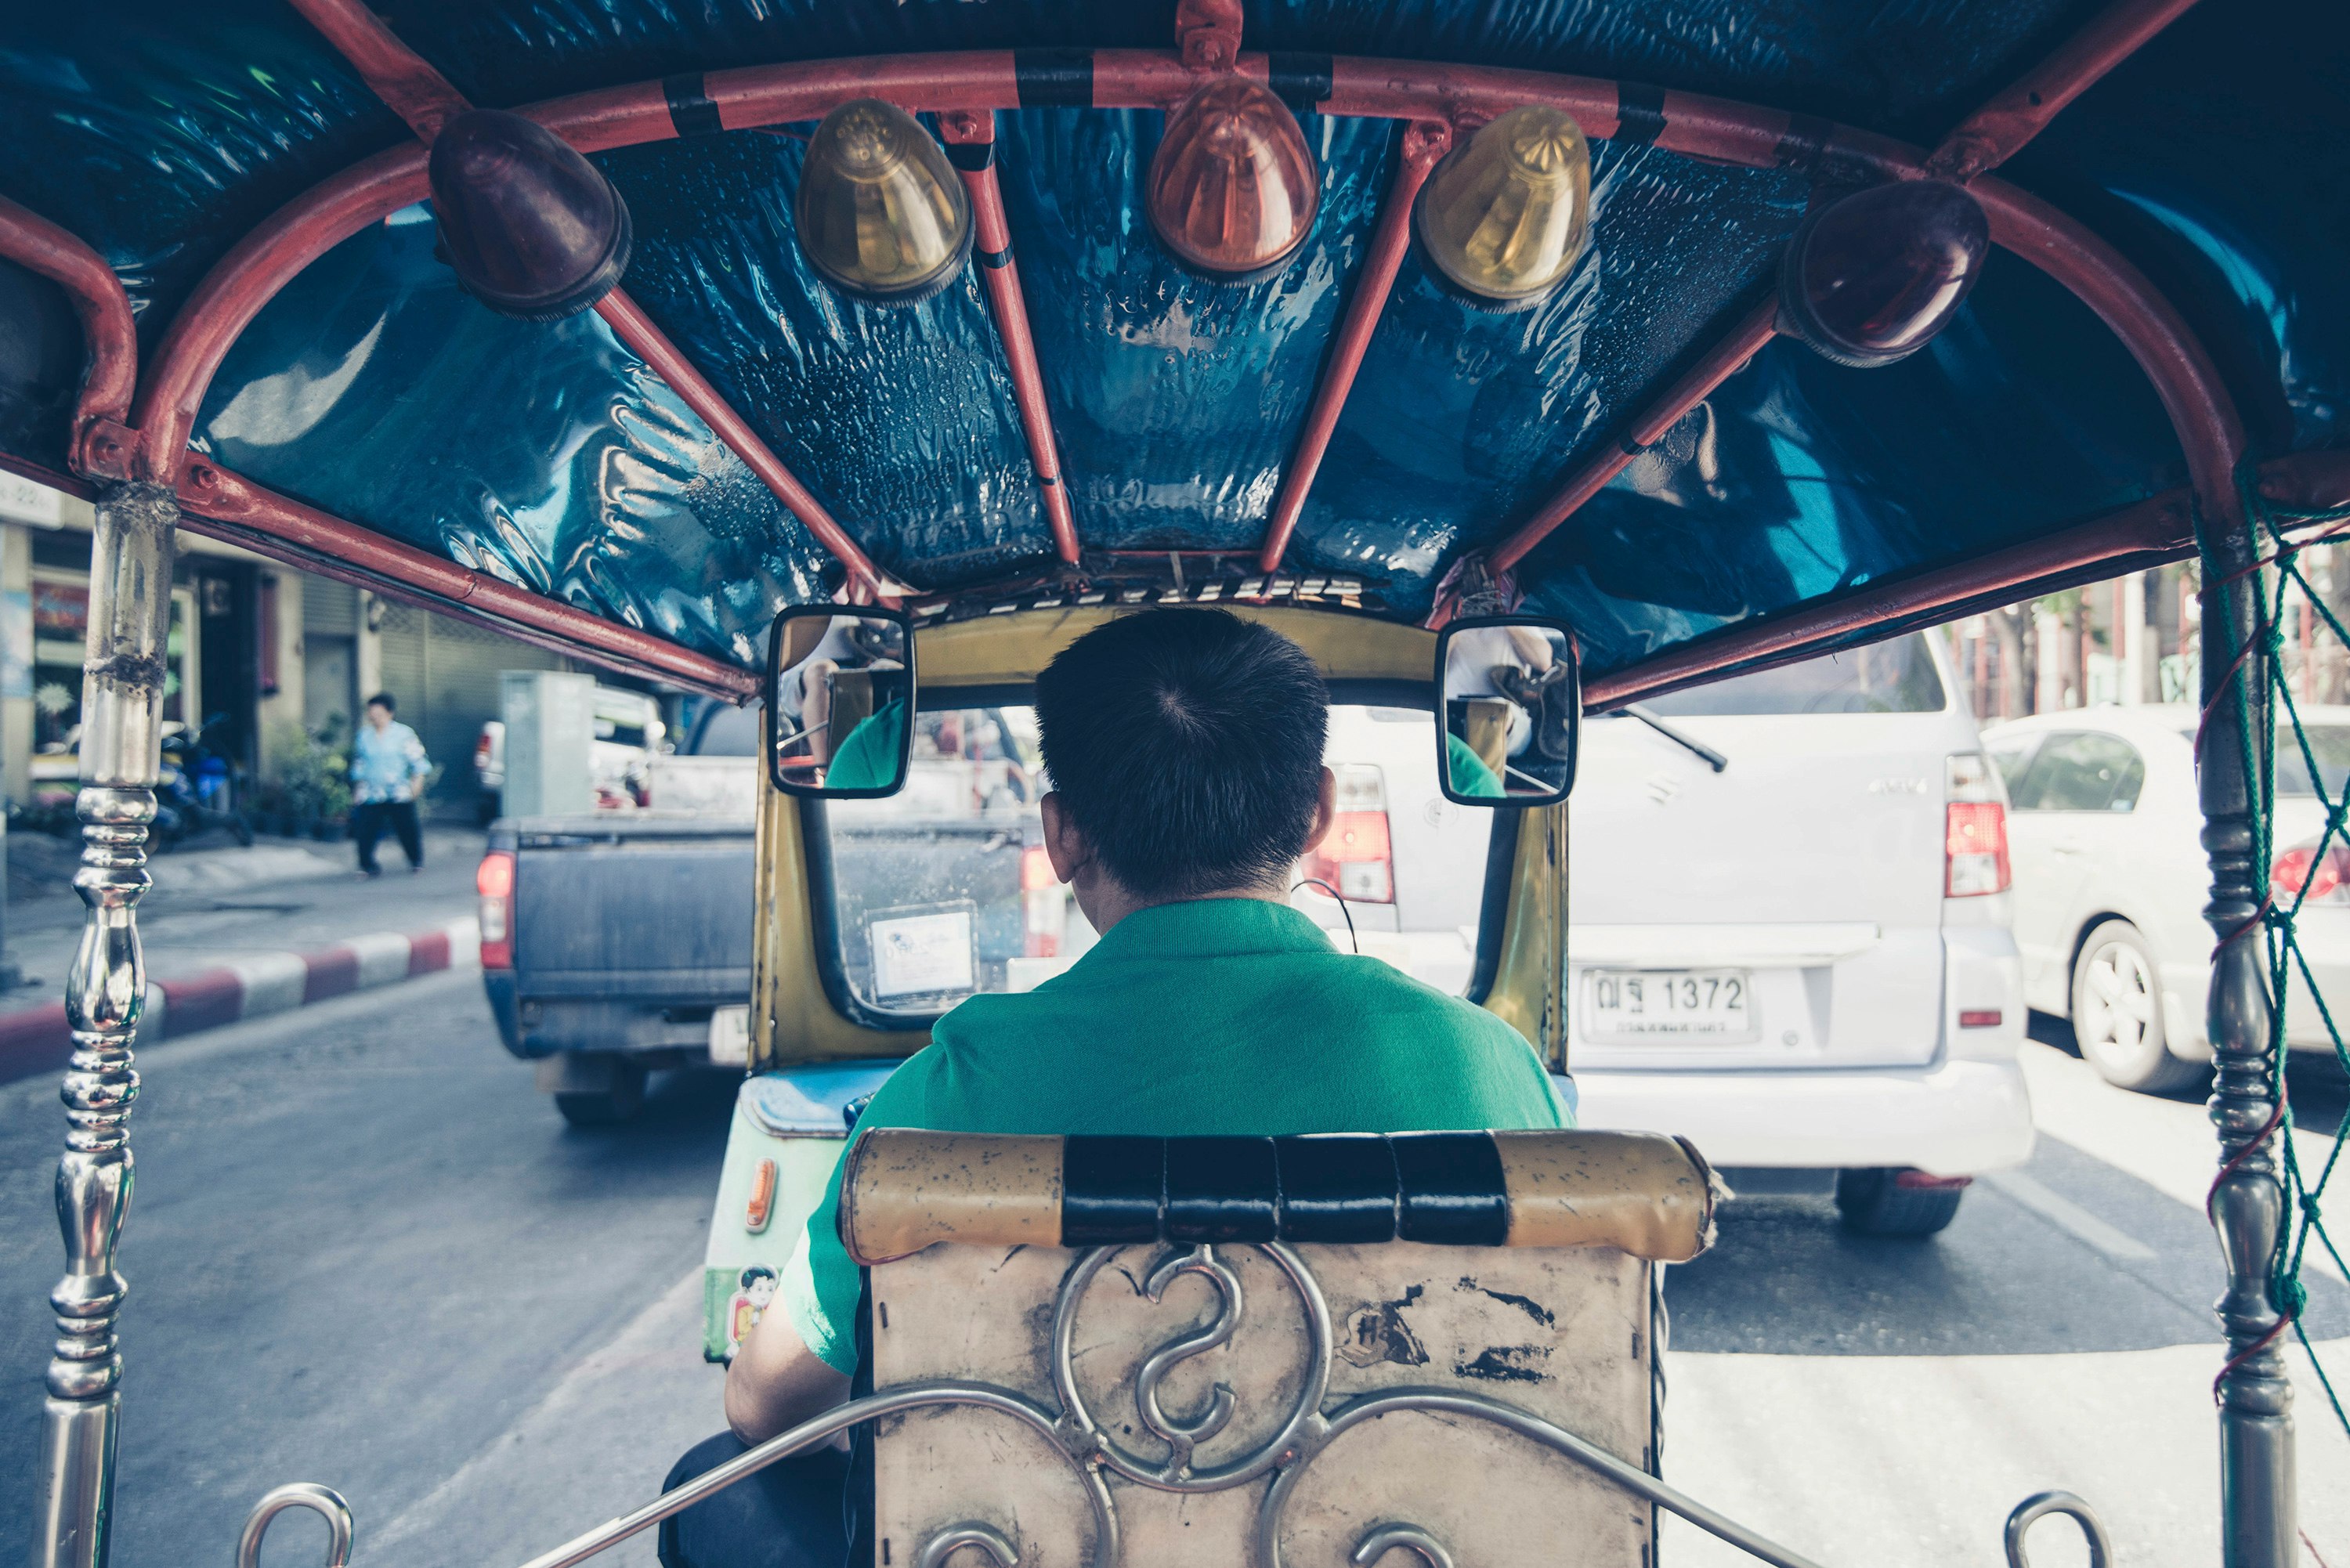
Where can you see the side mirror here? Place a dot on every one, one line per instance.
(840, 702)
(1513, 713)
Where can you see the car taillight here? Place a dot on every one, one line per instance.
(1045, 907)
(2327, 876)
(495, 881)
(1356, 856)
(481, 751)
(1974, 829)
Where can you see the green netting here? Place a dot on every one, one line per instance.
(2285, 533)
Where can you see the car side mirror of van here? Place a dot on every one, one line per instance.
(840, 702)
(1511, 719)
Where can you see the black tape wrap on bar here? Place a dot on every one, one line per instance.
(1449, 1190)
(1113, 1190)
(1639, 112)
(1054, 78)
(1220, 1189)
(971, 157)
(1445, 1189)
(1301, 81)
(1337, 1187)
(690, 109)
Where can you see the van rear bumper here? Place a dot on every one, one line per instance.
(1954, 1119)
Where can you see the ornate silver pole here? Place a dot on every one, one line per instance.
(122, 713)
(2257, 1508)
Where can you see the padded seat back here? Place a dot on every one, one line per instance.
(1198, 1352)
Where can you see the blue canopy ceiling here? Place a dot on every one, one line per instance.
(2219, 158)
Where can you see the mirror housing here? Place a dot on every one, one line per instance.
(1509, 711)
(840, 702)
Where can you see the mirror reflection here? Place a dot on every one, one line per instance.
(1512, 711)
(842, 687)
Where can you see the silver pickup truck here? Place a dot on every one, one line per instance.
(617, 943)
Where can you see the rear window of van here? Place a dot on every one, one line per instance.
(1896, 677)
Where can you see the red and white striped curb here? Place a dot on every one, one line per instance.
(37, 1041)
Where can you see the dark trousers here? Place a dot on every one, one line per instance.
(370, 817)
(788, 1515)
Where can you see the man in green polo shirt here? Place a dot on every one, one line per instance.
(1185, 749)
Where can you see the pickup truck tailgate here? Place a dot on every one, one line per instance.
(640, 907)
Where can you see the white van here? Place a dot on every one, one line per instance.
(1800, 959)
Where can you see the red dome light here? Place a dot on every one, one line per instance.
(532, 229)
(1871, 278)
(1233, 189)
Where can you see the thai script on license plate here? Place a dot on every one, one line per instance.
(1715, 1005)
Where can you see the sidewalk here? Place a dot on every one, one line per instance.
(232, 933)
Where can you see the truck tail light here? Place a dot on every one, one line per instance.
(495, 881)
(2326, 876)
(1356, 856)
(1974, 830)
(1046, 909)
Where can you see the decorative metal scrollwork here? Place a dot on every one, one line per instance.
(323, 1501)
(1305, 1436)
(1383, 1539)
(2039, 1506)
(1000, 1552)
(1175, 1473)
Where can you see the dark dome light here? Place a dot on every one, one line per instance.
(1871, 278)
(881, 214)
(532, 229)
(1234, 189)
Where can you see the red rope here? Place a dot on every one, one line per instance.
(2235, 667)
(2268, 902)
(2251, 1147)
(2247, 1354)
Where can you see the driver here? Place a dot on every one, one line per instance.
(1185, 752)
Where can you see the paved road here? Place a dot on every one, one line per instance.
(364, 1251)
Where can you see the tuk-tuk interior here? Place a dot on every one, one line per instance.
(1709, 339)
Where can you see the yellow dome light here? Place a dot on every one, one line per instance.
(881, 214)
(1505, 216)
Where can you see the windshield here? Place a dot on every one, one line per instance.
(1896, 677)
(2329, 743)
(943, 889)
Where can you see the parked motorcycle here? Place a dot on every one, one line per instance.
(197, 789)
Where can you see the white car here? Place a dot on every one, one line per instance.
(1801, 960)
(2111, 880)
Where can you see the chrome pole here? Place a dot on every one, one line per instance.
(2257, 1507)
(121, 712)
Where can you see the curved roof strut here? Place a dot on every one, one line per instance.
(2200, 409)
(423, 97)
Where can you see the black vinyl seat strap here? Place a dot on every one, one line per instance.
(1445, 1189)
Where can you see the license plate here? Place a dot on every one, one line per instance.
(1705, 1005)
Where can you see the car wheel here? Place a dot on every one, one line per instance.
(2118, 1012)
(1874, 1203)
(604, 1107)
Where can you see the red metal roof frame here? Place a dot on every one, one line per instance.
(978, 83)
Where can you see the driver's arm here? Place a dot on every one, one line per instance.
(776, 1382)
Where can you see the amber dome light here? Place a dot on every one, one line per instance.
(531, 228)
(881, 214)
(1871, 278)
(1505, 216)
(1234, 189)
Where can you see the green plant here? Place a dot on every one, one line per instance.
(309, 777)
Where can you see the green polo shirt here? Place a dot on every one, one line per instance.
(1231, 1016)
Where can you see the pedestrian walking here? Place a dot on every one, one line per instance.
(388, 767)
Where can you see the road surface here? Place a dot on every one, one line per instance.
(364, 1251)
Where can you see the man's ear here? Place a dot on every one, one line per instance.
(1326, 809)
(1065, 846)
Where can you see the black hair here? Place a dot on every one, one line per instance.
(390, 704)
(1186, 747)
(756, 1272)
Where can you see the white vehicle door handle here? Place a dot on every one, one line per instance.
(2068, 848)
